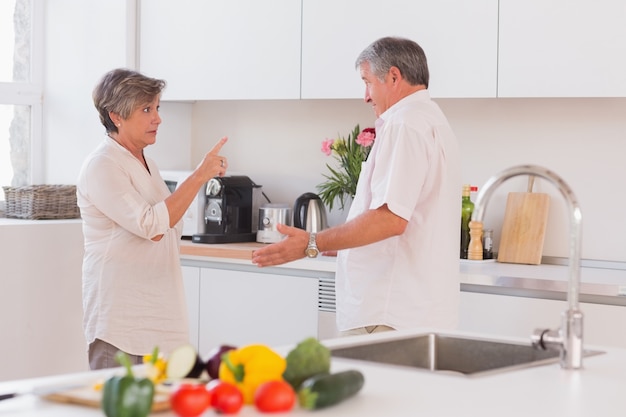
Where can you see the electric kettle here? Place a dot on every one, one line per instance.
(309, 213)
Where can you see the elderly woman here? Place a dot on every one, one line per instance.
(133, 295)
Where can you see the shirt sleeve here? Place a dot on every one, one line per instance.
(400, 170)
(128, 198)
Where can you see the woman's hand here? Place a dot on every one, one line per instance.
(213, 164)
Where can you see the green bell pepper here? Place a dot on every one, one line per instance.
(127, 396)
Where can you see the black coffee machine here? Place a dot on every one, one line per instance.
(231, 210)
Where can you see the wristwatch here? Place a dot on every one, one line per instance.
(311, 251)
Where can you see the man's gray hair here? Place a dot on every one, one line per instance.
(404, 54)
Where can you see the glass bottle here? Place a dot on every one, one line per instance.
(488, 244)
(467, 208)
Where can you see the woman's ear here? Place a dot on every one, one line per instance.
(115, 118)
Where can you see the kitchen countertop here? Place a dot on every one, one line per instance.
(28, 222)
(545, 390)
(601, 282)
(241, 254)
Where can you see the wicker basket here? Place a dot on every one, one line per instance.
(41, 202)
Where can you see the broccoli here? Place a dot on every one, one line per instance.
(307, 359)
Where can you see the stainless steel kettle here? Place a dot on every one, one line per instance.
(309, 213)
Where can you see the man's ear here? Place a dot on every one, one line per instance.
(395, 74)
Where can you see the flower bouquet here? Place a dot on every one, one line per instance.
(349, 153)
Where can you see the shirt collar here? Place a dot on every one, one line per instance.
(421, 95)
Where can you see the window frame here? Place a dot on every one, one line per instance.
(31, 93)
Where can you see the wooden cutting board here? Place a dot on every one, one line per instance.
(220, 250)
(524, 227)
(90, 397)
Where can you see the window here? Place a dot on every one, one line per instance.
(21, 29)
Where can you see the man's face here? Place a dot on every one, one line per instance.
(377, 93)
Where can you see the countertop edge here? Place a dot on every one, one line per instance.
(480, 277)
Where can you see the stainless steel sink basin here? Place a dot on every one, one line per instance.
(455, 354)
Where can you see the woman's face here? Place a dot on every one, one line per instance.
(140, 128)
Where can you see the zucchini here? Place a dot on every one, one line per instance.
(324, 390)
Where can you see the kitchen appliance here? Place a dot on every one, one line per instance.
(309, 213)
(193, 218)
(231, 210)
(269, 216)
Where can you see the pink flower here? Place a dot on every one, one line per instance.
(327, 146)
(366, 137)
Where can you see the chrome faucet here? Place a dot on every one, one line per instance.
(569, 337)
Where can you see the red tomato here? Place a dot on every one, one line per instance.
(274, 396)
(226, 397)
(190, 400)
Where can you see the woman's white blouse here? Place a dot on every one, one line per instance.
(133, 294)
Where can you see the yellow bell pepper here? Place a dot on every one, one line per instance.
(155, 365)
(250, 366)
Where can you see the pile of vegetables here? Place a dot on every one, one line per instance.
(252, 375)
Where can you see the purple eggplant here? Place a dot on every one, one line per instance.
(215, 359)
(184, 362)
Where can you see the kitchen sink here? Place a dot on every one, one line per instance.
(452, 354)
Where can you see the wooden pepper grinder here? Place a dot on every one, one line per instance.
(475, 248)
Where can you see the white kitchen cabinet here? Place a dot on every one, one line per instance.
(502, 315)
(241, 307)
(41, 298)
(562, 48)
(459, 37)
(211, 50)
(191, 279)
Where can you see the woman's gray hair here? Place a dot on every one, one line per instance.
(122, 91)
(401, 53)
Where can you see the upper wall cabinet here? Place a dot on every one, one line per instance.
(562, 48)
(460, 39)
(219, 49)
